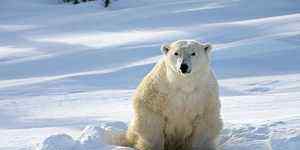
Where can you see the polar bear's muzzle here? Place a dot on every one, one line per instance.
(184, 68)
(184, 65)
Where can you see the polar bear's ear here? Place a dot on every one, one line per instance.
(165, 48)
(207, 48)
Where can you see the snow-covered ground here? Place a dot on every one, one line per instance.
(64, 67)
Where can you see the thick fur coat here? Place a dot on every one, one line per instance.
(177, 111)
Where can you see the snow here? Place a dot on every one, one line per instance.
(60, 141)
(269, 136)
(276, 135)
(92, 138)
(67, 72)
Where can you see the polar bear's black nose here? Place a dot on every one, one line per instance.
(184, 68)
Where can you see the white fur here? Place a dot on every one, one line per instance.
(173, 110)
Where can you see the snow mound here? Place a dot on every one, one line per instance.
(58, 142)
(267, 136)
(93, 137)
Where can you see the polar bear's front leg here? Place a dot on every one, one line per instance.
(207, 130)
(202, 140)
(149, 130)
(205, 135)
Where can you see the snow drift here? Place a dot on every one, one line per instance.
(64, 67)
(268, 136)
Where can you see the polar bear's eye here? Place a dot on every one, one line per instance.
(193, 54)
(176, 53)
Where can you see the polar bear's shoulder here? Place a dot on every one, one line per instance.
(148, 93)
(155, 78)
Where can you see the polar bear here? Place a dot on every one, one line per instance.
(176, 106)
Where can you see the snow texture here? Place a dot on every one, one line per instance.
(67, 72)
(267, 136)
(92, 138)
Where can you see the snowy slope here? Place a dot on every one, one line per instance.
(63, 66)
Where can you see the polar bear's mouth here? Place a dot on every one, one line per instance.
(185, 72)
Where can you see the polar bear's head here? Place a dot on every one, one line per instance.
(187, 56)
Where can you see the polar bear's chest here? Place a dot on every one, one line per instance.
(181, 111)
